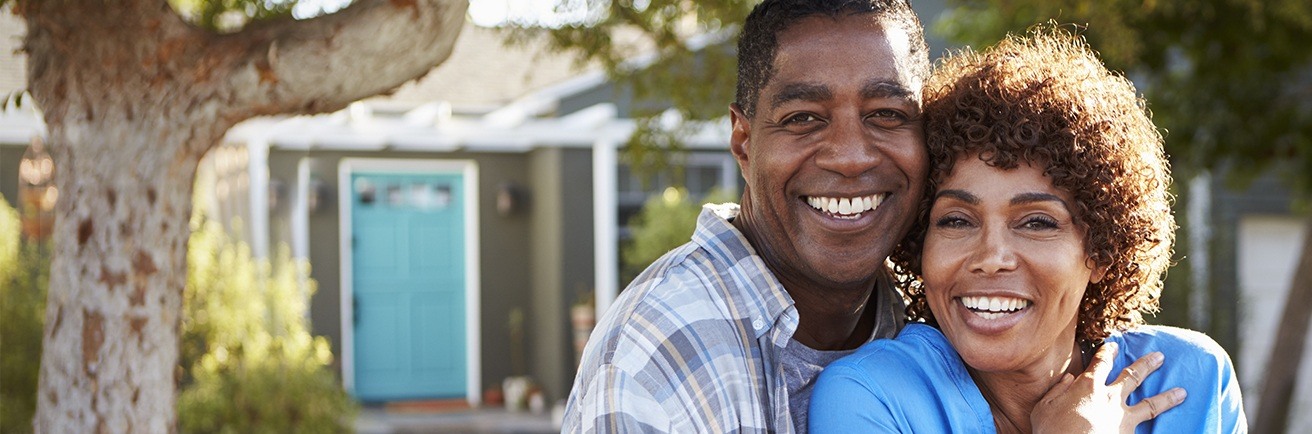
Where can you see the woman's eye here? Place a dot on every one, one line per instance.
(951, 222)
(1039, 222)
(887, 118)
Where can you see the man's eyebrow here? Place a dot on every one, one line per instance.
(960, 195)
(885, 89)
(1028, 198)
(800, 92)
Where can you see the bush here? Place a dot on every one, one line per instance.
(665, 222)
(24, 276)
(253, 366)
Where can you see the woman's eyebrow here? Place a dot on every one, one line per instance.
(1028, 198)
(960, 195)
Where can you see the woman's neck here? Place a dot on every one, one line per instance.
(1012, 395)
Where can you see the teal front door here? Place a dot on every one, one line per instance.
(409, 285)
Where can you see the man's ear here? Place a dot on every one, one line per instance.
(739, 138)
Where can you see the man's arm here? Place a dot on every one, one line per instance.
(612, 401)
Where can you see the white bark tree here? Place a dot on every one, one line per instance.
(133, 97)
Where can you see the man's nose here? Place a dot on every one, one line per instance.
(849, 150)
(993, 251)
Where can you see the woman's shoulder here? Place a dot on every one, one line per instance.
(1169, 340)
(901, 359)
(1190, 355)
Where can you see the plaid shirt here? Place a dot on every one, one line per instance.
(692, 345)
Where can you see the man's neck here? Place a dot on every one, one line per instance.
(831, 316)
(832, 319)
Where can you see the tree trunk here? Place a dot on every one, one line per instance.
(111, 349)
(133, 98)
(1287, 351)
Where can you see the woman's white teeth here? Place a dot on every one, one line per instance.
(994, 307)
(849, 207)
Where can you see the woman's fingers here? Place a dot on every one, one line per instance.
(1154, 406)
(1132, 376)
(1101, 365)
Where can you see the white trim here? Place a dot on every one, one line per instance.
(300, 224)
(257, 167)
(605, 237)
(473, 344)
(300, 221)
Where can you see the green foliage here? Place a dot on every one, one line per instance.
(696, 83)
(231, 15)
(665, 222)
(1230, 80)
(24, 276)
(253, 366)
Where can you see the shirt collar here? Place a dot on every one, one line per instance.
(757, 291)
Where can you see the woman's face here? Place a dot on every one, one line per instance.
(1004, 266)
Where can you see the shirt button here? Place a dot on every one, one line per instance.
(758, 323)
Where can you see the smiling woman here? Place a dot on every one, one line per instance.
(1044, 235)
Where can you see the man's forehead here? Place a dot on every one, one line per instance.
(806, 49)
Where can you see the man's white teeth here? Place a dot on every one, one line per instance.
(847, 206)
(994, 307)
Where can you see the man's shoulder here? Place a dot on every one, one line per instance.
(677, 302)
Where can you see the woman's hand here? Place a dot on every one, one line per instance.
(1084, 404)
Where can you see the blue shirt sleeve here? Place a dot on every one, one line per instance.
(1194, 362)
(845, 400)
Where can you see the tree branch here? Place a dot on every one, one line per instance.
(325, 63)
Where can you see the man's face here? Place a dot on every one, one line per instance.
(834, 157)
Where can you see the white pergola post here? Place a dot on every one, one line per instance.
(605, 238)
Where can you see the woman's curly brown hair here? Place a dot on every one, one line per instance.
(1046, 99)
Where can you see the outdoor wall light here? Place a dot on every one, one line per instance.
(511, 199)
(37, 193)
(316, 195)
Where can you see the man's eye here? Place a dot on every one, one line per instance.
(801, 118)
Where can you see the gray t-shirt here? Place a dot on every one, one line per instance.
(801, 364)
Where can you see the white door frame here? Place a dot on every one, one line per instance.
(467, 168)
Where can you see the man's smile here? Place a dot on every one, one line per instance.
(845, 207)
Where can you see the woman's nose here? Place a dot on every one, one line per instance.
(993, 253)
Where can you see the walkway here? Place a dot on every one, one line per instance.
(377, 420)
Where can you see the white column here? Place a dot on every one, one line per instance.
(258, 170)
(605, 238)
(1200, 239)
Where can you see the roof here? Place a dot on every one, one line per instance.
(13, 63)
(484, 72)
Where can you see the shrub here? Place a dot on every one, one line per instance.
(24, 276)
(253, 366)
(665, 222)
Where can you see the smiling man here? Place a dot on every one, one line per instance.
(728, 332)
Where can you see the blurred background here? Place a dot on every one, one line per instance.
(445, 249)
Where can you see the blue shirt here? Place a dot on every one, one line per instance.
(918, 384)
(694, 343)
